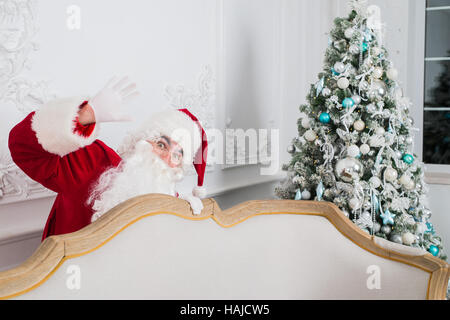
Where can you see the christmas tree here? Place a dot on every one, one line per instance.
(354, 144)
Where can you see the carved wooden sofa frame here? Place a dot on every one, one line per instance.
(55, 250)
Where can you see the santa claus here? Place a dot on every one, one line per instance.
(57, 146)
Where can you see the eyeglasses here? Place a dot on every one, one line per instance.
(165, 147)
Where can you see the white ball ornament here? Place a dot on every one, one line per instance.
(365, 149)
(377, 73)
(349, 33)
(310, 135)
(306, 195)
(359, 125)
(392, 74)
(390, 174)
(380, 131)
(411, 185)
(354, 203)
(353, 151)
(377, 141)
(343, 83)
(405, 180)
(305, 123)
(408, 238)
(375, 182)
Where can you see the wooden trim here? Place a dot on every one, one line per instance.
(56, 249)
(442, 178)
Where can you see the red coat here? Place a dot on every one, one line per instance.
(63, 156)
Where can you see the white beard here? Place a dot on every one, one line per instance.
(140, 173)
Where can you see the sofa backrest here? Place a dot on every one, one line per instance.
(153, 247)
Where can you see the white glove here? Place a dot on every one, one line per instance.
(195, 202)
(108, 103)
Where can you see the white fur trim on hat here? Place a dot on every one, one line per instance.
(199, 192)
(54, 123)
(179, 127)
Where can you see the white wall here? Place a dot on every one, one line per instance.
(266, 70)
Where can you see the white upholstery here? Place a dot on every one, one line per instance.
(265, 257)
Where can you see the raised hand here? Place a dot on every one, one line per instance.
(108, 104)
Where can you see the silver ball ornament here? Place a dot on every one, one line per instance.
(390, 174)
(375, 182)
(377, 73)
(306, 195)
(354, 49)
(386, 229)
(376, 227)
(364, 85)
(377, 89)
(349, 169)
(339, 67)
(371, 108)
(356, 99)
(396, 238)
(291, 149)
(326, 92)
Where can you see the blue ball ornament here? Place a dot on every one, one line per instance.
(334, 72)
(407, 158)
(348, 103)
(434, 250)
(324, 117)
(364, 47)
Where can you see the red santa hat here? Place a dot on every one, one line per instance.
(185, 129)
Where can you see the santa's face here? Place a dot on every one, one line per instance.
(141, 172)
(168, 150)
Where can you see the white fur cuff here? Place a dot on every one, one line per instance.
(199, 192)
(54, 123)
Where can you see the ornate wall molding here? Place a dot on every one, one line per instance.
(200, 101)
(18, 28)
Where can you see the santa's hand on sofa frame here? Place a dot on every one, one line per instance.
(108, 104)
(195, 202)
